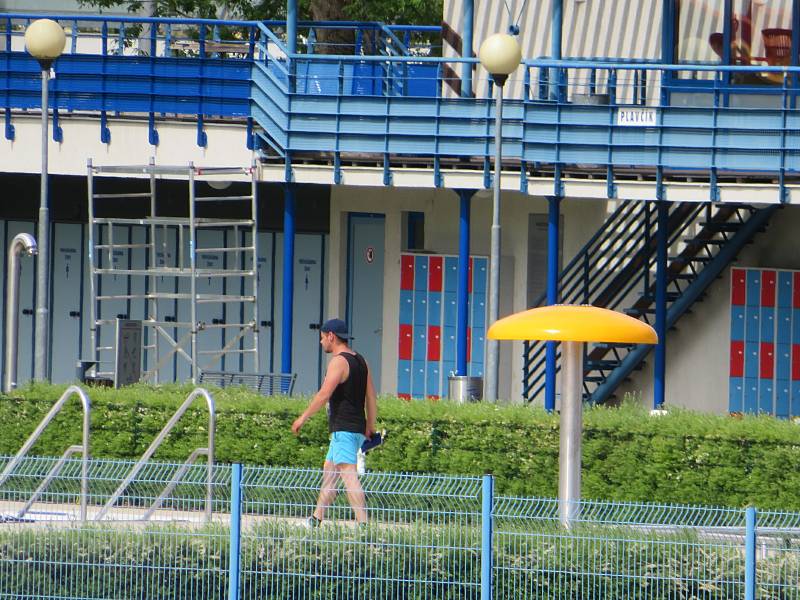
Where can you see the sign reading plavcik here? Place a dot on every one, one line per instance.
(637, 117)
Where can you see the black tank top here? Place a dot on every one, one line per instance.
(346, 406)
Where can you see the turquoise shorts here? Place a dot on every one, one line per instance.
(344, 447)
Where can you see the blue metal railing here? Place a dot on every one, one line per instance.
(432, 536)
(616, 270)
(396, 99)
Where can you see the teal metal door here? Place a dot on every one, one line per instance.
(66, 300)
(365, 288)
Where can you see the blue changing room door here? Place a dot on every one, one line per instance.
(365, 288)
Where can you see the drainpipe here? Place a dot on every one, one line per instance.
(23, 242)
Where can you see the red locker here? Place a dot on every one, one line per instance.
(737, 359)
(768, 288)
(767, 361)
(406, 342)
(738, 287)
(406, 272)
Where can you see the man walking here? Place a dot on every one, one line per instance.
(352, 409)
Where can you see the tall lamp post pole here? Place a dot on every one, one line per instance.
(500, 55)
(44, 40)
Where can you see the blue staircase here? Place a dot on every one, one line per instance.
(616, 270)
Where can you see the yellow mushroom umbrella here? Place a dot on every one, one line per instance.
(573, 326)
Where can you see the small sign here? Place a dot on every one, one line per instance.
(369, 254)
(637, 117)
(128, 359)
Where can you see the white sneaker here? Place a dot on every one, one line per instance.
(361, 463)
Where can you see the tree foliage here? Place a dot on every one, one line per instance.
(417, 12)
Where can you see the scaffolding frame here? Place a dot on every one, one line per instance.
(241, 335)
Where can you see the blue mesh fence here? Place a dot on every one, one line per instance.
(424, 538)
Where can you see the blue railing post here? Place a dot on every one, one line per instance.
(750, 554)
(487, 559)
(553, 235)
(236, 531)
(660, 366)
(462, 292)
(466, 48)
(288, 277)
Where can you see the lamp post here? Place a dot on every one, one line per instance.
(44, 40)
(500, 55)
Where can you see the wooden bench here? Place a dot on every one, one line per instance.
(268, 384)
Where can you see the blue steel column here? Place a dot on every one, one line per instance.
(462, 294)
(466, 48)
(235, 532)
(288, 277)
(487, 559)
(662, 234)
(291, 26)
(553, 236)
(750, 554)
(556, 24)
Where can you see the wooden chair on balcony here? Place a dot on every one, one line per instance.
(778, 50)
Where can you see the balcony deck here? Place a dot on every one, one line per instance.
(390, 110)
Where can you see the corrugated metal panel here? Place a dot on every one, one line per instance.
(618, 29)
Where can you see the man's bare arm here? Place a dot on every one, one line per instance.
(337, 370)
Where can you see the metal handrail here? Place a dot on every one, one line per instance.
(51, 474)
(22, 242)
(157, 442)
(87, 409)
(173, 483)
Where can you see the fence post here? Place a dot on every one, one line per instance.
(486, 537)
(750, 554)
(235, 537)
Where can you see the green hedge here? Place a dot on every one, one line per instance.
(681, 457)
(283, 561)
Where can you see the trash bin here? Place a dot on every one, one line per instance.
(463, 388)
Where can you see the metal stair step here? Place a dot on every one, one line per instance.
(638, 312)
(594, 379)
(601, 364)
(611, 345)
(726, 226)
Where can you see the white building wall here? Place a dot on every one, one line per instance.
(441, 208)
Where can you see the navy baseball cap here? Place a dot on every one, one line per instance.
(336, 327)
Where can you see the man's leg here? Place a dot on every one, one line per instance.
(355, 493)
(327, 493)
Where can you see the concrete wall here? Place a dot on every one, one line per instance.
(698, 351)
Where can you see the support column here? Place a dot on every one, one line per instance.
(291, 26)
(462, 295)
(553, 238)
(660, 366)
(466, 48)
(288, 277)
(556, 24)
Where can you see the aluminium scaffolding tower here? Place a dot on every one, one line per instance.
(191, 279)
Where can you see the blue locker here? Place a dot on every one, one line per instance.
(478, 346)
(767, 324)
(406, 307)
(751, 364)
(420, 308)
(433, 386)
(420, 346)
(478, 311)
(476, 369)
(753, 285)
(421, 273)
(418, 379)
(752, 323)
(449, 344)
(479, 275)
(434, 308)
(751, 395)
(737, 322)
(404, 377)
(795, 399)
(784, 326)
(766, 400)
(784, 290)
(736, 394)
(450, 309)
(448, 368)
(783, 361)
(782, 395)
(451, 275)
